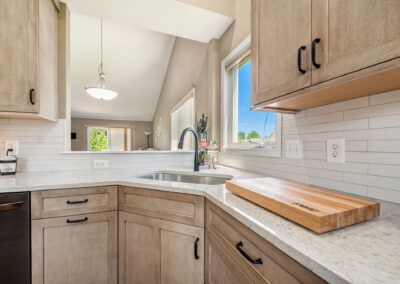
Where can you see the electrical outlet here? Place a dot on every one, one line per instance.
(294, 149)
(12, 144)
(100, 164)
(335, 150)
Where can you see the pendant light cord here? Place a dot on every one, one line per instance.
(101, 47)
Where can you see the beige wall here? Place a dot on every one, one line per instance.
(199, 64)
(138, 139)
(188, 67)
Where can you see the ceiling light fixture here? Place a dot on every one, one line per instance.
(101, 92)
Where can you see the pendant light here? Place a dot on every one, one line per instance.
(101, 92)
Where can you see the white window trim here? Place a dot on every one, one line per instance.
(190, 95)
(228, 119)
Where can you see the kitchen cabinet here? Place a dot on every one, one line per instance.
(28, 56)
(77, 249)
(220, 268)
(316, 52)
(353, 35)
(281, 31)
(233, 246)
(152, 250)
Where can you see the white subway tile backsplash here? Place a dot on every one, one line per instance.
(384, 121)
(371, 128)
(41, 144)
(384, 170)
(384, 98)
(384, 194)
(384, 146)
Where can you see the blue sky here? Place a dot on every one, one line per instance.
(251, 120)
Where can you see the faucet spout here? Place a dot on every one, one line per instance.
(196, 152)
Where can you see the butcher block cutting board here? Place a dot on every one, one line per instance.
(316, 209)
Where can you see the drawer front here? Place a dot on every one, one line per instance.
(245, 246)
(177, 207)
(66, 202)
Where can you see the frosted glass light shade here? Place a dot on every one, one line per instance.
(101, 93)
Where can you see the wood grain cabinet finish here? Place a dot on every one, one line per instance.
(152, 250)
(28, 56)
(65, 202)
(77, 249)
(354, 35)
(270, 264)
(220, 267)
(178, 207)
(279, 29)
(351, 49)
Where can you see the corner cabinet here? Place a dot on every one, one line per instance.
(152, 250)
(161, 237)
(314, 52)
(28, 56)
(235, 254)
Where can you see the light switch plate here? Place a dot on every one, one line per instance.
(335, 150)
(100, 164)
(294, 149)
(12, 144)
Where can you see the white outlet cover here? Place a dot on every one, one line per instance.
(335, 150)
(12, 144)
(100, 164)
(294, 149)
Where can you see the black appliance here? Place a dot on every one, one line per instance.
(15, 249)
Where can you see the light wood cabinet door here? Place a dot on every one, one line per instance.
(79, 249)
(18, 54)
(279, 28)
(219, 267)
(353, 35)
(158, 251)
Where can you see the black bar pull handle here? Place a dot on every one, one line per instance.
(77, 221)
(11, 206)
(196, 255)
(314, 53)
(77, 202)
(31, 92)
(302, 71)
(254, 261)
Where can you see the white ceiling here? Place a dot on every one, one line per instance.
(135, 62)
(138, 38)
(165, 16)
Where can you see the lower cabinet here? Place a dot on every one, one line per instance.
(220, 268)
(79, 249)
(152, 250)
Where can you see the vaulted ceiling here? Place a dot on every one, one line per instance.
(138, 38)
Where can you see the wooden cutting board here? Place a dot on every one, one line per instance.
(316, 209)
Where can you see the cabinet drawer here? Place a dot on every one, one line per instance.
(178, 207)
(65, 202)
(275, 266)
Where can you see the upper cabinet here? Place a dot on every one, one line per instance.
(28, 59)
(351, 35)
(281, 32)
(314, 52)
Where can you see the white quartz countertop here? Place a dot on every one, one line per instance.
(368, 252)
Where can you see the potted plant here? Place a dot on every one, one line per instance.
(201, 127)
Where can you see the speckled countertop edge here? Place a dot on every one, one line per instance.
(374, 257)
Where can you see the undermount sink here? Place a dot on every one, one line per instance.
(188, 178)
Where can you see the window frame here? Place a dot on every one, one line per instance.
(191, 95)
(229, 117)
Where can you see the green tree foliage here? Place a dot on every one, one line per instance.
(241, 136)
(253, 134)
(98, 140)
